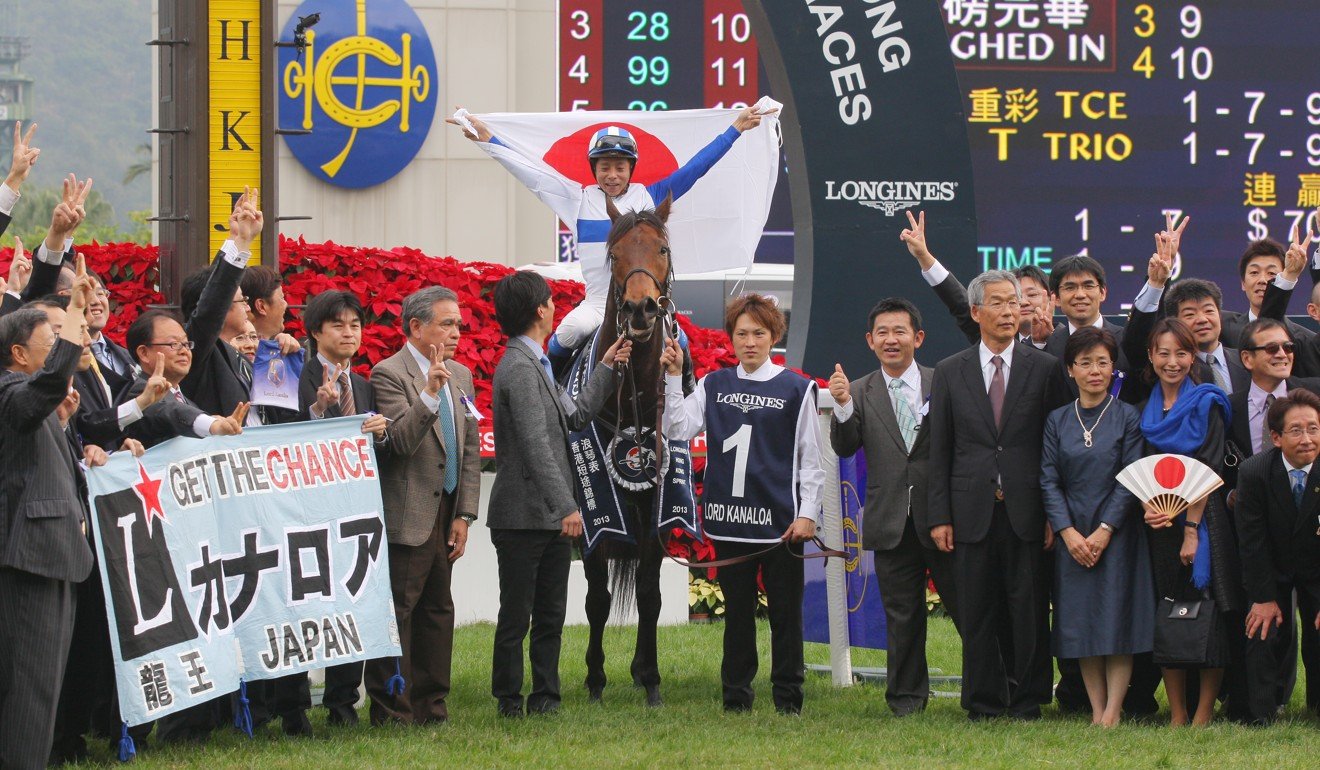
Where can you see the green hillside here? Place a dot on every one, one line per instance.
(92, 95)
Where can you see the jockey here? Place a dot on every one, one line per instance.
(613, 158)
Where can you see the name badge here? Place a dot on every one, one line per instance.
(566, 401)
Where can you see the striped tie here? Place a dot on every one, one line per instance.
(907, 421)
(451, 441)
(346, 407)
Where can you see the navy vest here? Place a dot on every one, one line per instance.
(751, 438)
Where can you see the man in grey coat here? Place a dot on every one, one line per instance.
(884, 412)
(533, 509)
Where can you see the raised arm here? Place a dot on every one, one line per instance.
(208, 318)
(25, 155)
(947, 287)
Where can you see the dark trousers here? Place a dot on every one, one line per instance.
(424, 609)
(782, 573)
(533, 565)
(901, 573)
(89, 697)
(1263, 657)
(999, 577)
(293, 693)
(36, 626)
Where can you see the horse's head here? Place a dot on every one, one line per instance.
(640, 268)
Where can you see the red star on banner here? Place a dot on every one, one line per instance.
(149, 491)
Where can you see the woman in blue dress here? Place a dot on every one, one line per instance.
(1104, 607)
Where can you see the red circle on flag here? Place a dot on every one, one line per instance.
(1170, 472)
(568, 156)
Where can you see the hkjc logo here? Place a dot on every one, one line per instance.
(890, 197)
(366, 63)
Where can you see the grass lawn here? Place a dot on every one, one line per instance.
(847, 727)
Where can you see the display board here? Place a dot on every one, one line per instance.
(1088, 119)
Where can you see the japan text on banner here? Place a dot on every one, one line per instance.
(866, 614)
(250, 556)
(715, 225)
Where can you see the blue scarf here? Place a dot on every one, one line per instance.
(1182, 431)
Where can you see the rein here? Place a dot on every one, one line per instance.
(825, 552)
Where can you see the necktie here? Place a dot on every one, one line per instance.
(1298, 486)
(549, 372)
(105, 386)
(996, 391)
(346, 406)
(907, 421)
(178, 396)
(102, 355)
(1217, 371)
(451, 441)
(1265, 423)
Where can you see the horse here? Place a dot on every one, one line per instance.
(639, 307)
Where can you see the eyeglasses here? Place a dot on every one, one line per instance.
(240, 302)
(1273, 348)
(102, 293)
(1312, 431)
(1084, 286)
(174, 345)
(999, 305)
(248, 337)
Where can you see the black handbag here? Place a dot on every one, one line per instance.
(1187, 634)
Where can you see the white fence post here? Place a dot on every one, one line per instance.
(836, 576)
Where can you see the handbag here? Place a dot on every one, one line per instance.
(1187, 634)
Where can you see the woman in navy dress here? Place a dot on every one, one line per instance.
(1104, 597)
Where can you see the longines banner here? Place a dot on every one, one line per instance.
(873, 128)
(241, 557)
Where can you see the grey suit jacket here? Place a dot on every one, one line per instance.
(412, 476)
(534, 482)
(43, 493)
(895, 477)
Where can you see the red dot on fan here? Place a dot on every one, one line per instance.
(1170, 472)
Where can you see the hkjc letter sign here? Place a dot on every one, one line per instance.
(241, 557)
(365, 88)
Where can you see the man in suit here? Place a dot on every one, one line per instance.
(1278, 523)
(1036, 317)
(328, 388)
(987, 414)
(1268, 279)
(533, 509)
(1198, 304)
(886, 418)
(115, 363)
(43, 519)
(215, 308)
(430, 485)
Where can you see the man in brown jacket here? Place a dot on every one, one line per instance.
(430, 484)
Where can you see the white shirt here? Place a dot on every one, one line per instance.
(8, 197)
(329, 367)
(1098, 323)
(686, 417)
(911, 391)
(1147, 300)
(202, 425)
(988, 368)
(1287, 466)
(1256, 411)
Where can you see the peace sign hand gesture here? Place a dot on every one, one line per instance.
(20, 269)
(246, 221)
(231, 425)
(328, 393)
(157, 385)
(915, 238)
(438, 375)
(1294, 261)
(25, 156)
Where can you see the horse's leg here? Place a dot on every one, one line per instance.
(596, 566)
(645, 663)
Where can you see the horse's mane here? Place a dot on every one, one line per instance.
(626, 222)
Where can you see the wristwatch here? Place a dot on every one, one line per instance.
(1191, 524)
(469, 518)
(1105, 526)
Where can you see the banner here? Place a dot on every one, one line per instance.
(275, 376)
(866, 615)
(241, 557)
(715, 225)
(875, 129)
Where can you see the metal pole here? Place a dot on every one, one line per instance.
(836, 577)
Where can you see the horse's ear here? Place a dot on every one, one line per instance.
(611, 210)
(662, 211)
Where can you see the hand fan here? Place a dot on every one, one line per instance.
(1169, 484)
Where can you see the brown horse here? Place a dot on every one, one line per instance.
(638, 308)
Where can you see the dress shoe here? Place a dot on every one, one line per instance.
(297, 724)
